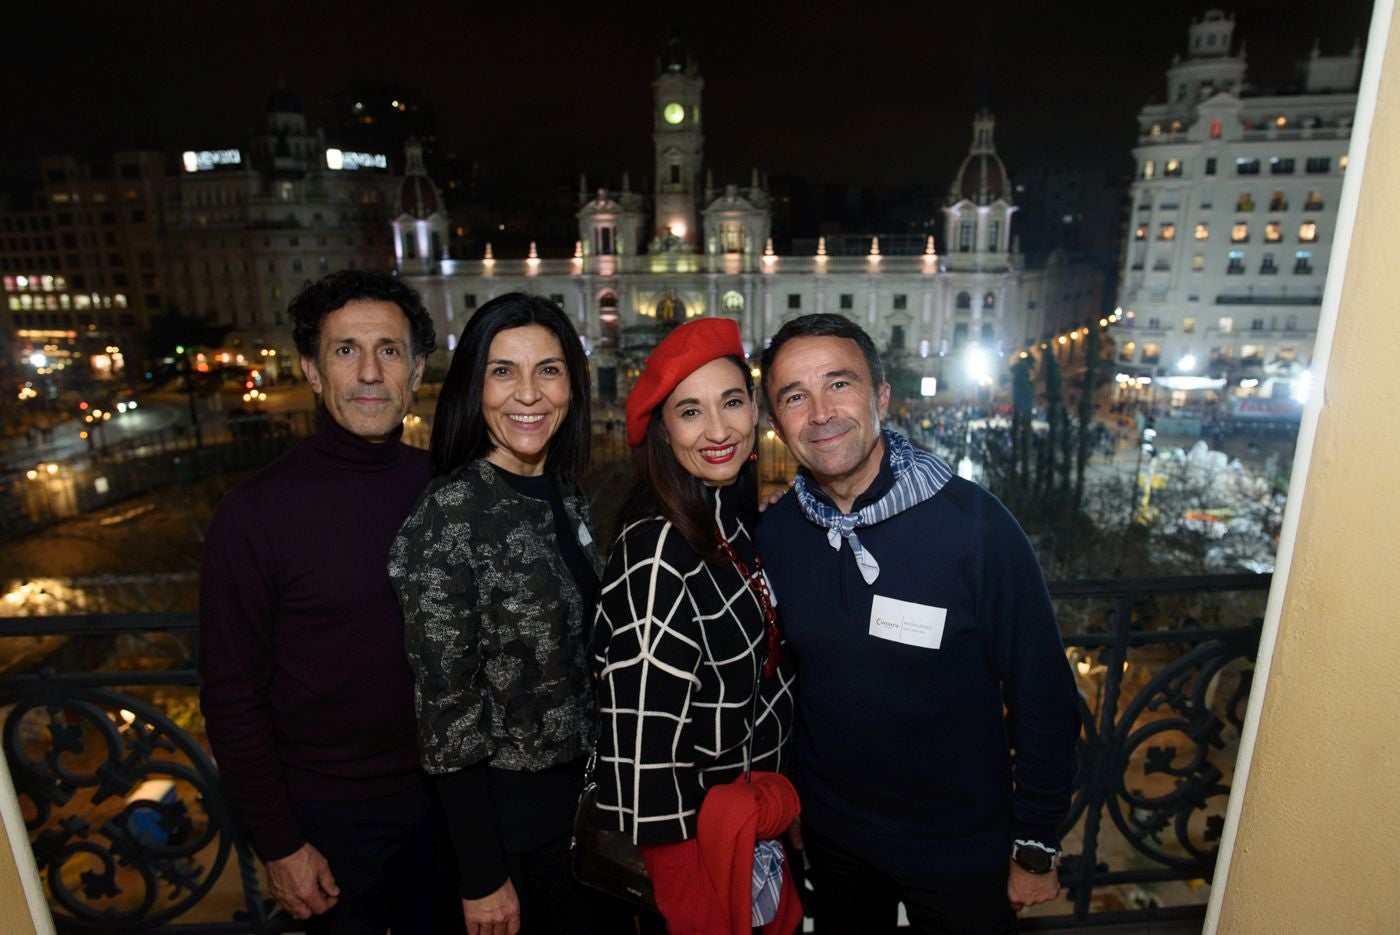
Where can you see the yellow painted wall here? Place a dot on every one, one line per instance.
(22, 907)
(1318, 843)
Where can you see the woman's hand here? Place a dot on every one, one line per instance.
(773, 497)
(496, 914)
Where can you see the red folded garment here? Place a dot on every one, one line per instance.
(704, 886)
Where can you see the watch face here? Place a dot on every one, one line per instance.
(673, 113)
(1033, 859)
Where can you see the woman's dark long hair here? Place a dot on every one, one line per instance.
(664, 487)
(459, 430)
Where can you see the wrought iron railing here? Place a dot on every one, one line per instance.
(131, 831)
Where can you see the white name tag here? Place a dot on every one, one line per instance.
(908, 623)
(584, 536)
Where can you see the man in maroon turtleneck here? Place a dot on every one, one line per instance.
(307, 694)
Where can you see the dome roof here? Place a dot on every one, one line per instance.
(418, 198)
(283, 101)
(982, 177)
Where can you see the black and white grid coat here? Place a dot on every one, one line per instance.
(684, 644)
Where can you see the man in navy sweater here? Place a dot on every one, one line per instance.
(937, 715)
(307, 694)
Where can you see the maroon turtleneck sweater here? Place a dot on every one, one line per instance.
(307, 692)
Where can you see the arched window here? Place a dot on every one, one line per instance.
(607, 317)
(733, 301)
(964, 300)
(989, 301)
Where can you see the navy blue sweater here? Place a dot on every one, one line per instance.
(904, 755)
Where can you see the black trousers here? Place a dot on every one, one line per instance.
(391, 861)
(552, 902)
(850, 897)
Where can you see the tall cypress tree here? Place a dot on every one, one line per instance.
(1086, 412)
(1054, 411)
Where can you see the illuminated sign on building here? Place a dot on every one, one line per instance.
(205, 159)
(345, 160)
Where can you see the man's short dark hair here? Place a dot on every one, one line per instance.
(333, 292)
(824, 325)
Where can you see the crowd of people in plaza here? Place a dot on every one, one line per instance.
(826, 704)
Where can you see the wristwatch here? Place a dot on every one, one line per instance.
(1034, 857)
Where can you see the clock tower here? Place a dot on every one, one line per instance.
(679, 138)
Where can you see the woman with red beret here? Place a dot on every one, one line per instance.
(694, 692)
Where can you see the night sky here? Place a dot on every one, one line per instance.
(865, 93)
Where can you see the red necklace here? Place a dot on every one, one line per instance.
(758, 583)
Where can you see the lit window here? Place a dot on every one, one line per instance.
(1140, 233)
(1166, 232)
(1342, 163)
(1149, 169)
(1313, 202)
(1278, 202)
(1215, 129)
(1245, 202)
(1273, 232)
(1307, 231)
(1203, 231)
(733, 302)
(1156, 130)
(1226, 325)
(1198, 262)
(1188, 325)
(1280, 121)
(1173, 167)
(1239, 233)
(1128, 351)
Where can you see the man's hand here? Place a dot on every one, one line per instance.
(302, 883)
(1024, 888)
(496, 914)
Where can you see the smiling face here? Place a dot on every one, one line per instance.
(827, 410)
(711, 420)
(525, 397)
(364, 369)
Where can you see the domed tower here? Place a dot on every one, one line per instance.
(284, 147)
(978, 214)
(420, 220)
(1209, 67)
(679, 139)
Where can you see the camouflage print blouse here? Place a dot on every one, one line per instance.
(494, 625)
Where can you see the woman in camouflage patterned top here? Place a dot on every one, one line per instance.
(497, 573)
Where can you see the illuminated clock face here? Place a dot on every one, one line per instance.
(673, 112)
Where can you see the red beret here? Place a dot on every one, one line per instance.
(682, 352)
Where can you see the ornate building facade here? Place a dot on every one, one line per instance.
(245, 227)
(696, 248)
(1234, 211)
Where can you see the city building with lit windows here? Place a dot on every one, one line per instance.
(244, 227)
(1234, 209)
(691, 247)
(81, 263)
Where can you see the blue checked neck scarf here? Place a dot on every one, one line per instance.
(918, 475)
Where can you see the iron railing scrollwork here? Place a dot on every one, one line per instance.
(126, 816)
(131, 831)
